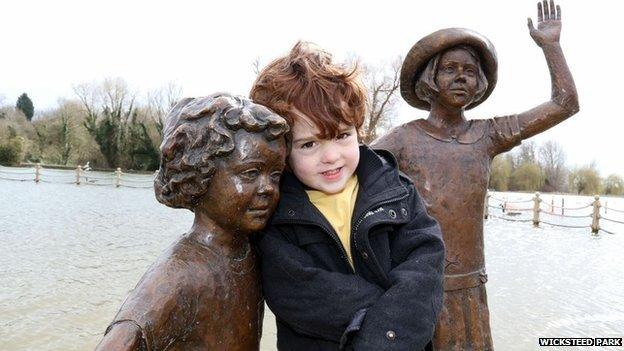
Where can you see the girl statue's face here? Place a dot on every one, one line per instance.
(457, 78)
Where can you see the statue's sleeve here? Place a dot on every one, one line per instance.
(503, 133)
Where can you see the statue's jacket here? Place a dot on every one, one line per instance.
(391, 296)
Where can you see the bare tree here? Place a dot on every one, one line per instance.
(117, 98)
(89, 96)
(65, 134)
(525, 154)
(382, 84)
(552, 159)
(109, 109)
(160, 101)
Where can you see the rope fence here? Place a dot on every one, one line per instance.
(613, 209)
(566, 225)
(606, 231)
(78, 176)
(568, 216)
(510, 210)
(611, 220)
(541, 209)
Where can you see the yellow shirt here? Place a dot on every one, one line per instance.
(338, 210)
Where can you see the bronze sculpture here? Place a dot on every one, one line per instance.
(222, 158)
(448, 157)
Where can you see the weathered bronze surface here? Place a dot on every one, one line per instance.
(448, 157)
(222, 157)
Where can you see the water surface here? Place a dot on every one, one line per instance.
(70, 254)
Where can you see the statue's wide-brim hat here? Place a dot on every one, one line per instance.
(426, 48)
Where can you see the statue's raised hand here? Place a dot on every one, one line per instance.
(548, 23)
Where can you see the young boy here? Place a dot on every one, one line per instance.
(350, 258)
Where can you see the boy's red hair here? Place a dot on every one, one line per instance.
(307, 80)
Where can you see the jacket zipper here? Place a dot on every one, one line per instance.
(361, 219)
(369, 208)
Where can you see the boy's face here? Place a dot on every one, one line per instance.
(323, 164)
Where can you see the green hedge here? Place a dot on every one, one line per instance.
(11, 152)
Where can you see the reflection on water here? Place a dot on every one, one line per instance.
(70, 254)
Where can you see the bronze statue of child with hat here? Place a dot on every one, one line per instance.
(448, 157)
(222, 158)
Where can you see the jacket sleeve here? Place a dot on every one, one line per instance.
(312, 301)
(404, 317)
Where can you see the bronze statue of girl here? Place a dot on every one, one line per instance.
(448, 156)
(222, 158)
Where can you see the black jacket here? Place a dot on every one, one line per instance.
(390, 301)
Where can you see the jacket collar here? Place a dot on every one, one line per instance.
(378, 179)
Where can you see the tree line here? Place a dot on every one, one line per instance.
(107, 125)
(533, 167)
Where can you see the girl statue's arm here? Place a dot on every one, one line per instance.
(564, 99)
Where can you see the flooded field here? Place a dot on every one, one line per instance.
(70, 254)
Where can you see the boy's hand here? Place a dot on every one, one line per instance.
(548, 24)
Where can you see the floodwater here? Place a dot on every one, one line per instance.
(70, 254)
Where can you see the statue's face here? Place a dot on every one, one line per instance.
(457, 78)
(244, 190)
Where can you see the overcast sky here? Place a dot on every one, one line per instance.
(209, 46)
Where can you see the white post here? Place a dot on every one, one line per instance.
(37, 172)
(595, 226)
(78, 171)
(118, 180)
(536, 209)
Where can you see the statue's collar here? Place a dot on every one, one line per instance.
(475, 131)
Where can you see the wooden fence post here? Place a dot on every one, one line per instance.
(552, 204)
(37, 172)
(78, 171)
(562, 205)
(486, 212)
(595, 226)
(536, 209)
(118, 180)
